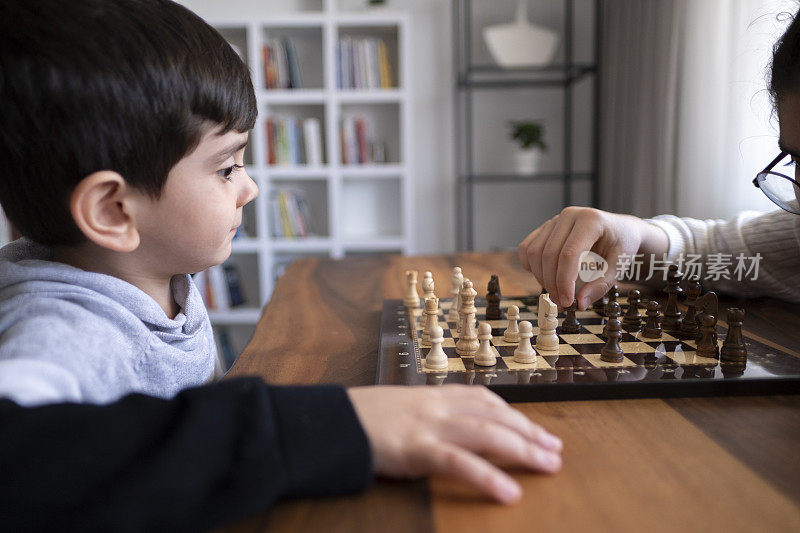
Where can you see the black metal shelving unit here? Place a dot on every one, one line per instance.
(470, 78)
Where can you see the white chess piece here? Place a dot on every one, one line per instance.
(427, 286)
(512, 331)
(412, 298)
(460, 325)
(485, 355)
(468, 339)
(525, 352)
(456, 280)
(430, 318)
(547, 340)
(436, 359)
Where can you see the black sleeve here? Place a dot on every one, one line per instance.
(209, 456)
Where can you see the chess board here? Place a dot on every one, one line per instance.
(664, 367)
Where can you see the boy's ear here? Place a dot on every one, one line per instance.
(102, 207)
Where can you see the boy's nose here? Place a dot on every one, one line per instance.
(249, 191)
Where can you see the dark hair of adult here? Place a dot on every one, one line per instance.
(785, 71)
(89, 85)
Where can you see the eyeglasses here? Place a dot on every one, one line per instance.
(782, 190)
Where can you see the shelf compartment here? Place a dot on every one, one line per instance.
(383, 127)
(301, 112)
(371, 211)
(316, 198)
(357, 31)
(307, 43)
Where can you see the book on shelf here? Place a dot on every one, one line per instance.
(358, 145)
(292, 141)
(291, 216)
(363, 63)
(281, 69)
(220, 287)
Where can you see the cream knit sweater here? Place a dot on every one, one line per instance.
(774, 235)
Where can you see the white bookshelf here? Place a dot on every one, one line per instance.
(356, 209)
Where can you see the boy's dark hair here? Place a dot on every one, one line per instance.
(785, 70)
(88, 85)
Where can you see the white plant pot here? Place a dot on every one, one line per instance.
(527, 161)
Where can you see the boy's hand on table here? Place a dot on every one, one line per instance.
(552, 251)
(419, 431)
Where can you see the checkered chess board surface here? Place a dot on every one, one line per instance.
(576, 370)
(582, 348)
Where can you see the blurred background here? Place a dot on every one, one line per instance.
(429, 126)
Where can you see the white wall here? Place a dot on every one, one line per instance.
(506, 216)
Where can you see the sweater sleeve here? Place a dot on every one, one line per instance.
(774, 236)
(211, 455)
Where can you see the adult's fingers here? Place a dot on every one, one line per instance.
(535, 249)
(551, 254)
(450, 460)
(583, 237)
(595, 290)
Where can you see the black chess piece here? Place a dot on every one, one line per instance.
(613, 311)
(689, 324)
(672, 315)
(706, 304)
(570, 323)
(632, 321)
(707, 346)
(599, 306)
(612, 294)
(733, 349)
(493, 299)
(652, 328)
(612, 352)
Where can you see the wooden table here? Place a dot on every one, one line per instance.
(710, 464)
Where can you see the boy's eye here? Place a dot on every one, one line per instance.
(225, 173)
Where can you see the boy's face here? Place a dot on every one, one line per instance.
(191, 226)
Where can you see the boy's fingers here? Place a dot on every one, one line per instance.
(450, 460)
(514, 420)
(484, 437)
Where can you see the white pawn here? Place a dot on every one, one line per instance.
(485, 355)
(456, 280)
(525, 352)
(547, 340)
(412, 298)
(429, 319)
(512, 331)
(427, 286)
(436, 359)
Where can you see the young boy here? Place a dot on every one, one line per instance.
(123, 131)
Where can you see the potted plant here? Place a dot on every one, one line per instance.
(530, 136)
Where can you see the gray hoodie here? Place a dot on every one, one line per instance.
(71, 335)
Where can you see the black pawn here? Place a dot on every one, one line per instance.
(612, 294)
(632, 319)
(707, 347)
(652, 329)
(672, 315)
(689, 325)
(613, 311)
(612, 352)
(733, 349)
(570, 323)
(599, 306)
(493, 299)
